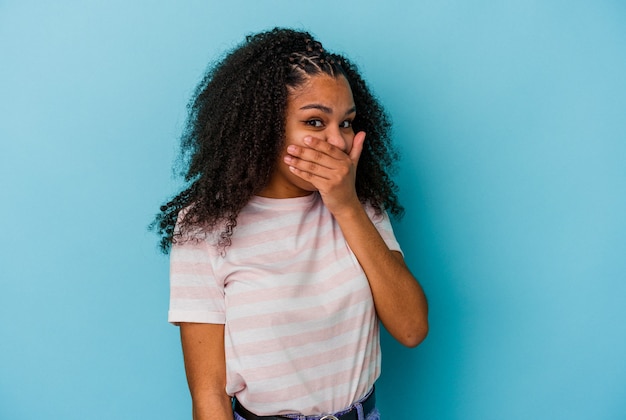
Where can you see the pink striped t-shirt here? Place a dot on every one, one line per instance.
(301, 332)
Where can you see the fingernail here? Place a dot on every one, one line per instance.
(308, 140)
(292, 149)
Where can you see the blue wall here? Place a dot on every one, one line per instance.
(510, 116)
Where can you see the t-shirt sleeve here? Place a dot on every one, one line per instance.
(196, 293)
(383, 224)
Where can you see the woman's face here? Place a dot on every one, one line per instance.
(323, 108)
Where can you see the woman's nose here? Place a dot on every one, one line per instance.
(339, 139)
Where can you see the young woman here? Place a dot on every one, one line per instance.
(283, 259)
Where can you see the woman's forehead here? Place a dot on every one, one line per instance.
(323, 89)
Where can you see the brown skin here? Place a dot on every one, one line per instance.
(321, 154)
(322, 107)
(205, 365)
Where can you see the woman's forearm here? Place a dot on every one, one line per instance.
(399, 299)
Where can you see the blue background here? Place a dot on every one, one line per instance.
(510, 118)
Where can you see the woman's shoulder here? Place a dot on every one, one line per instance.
(187, 231)
(375, 213)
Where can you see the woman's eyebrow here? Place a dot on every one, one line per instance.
(325, 109)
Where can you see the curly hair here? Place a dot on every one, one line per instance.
(235, 132)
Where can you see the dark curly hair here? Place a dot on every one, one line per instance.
(236, 128)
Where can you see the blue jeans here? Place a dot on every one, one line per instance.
(374, 415)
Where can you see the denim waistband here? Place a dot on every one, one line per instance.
(357, 411)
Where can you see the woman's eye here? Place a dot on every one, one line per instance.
(346, 124)
(314, 123)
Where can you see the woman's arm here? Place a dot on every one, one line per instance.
(398, 297)
(205, 365)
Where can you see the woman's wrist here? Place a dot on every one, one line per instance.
(212, 407)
